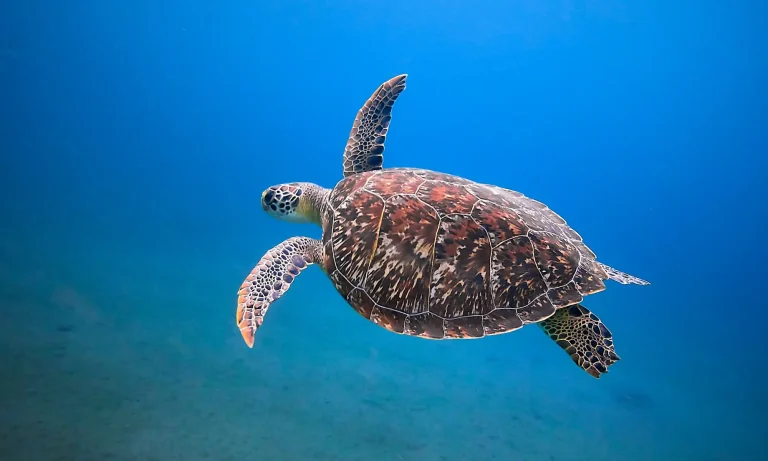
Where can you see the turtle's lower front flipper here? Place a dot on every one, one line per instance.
(584, 337)
(272, 277)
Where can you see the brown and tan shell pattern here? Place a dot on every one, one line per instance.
(439, 256)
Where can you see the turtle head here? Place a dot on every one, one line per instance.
(295, 202)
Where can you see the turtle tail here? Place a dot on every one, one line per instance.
(621, 277)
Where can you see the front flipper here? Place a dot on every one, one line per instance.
(365, 146)
(272, 277)
(584, 337)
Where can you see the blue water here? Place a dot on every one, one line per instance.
(136, 139)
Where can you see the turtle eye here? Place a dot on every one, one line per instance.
(268, 199)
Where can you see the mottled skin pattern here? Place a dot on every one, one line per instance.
(438, 256)
(270, 279)
(433, 255)
(569, 327)
(365, 146)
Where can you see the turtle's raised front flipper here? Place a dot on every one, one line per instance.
(365, 146)
(272, 277)
(584, 337)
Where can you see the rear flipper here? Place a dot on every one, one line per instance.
(621, 277)
(584, 337)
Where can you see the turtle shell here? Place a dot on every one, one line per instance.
(439, 256)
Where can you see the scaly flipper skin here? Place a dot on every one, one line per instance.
(621, 277)
(270, 279)
(365, 146)
(584, 337)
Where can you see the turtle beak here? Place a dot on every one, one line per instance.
(266, 198)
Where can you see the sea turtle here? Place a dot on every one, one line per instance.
(434, 255)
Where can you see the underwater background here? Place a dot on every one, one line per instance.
(137, 137)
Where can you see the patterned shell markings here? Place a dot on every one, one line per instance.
(439, 256)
